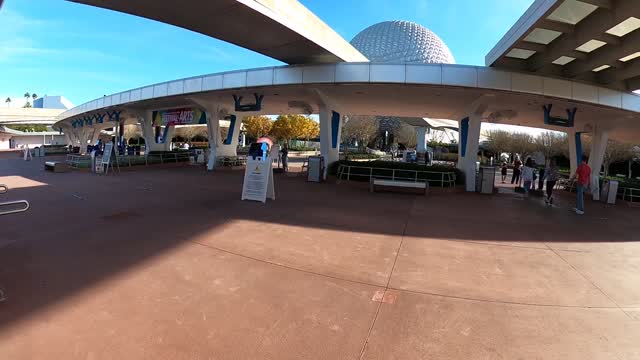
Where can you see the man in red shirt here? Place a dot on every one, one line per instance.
(583, 178)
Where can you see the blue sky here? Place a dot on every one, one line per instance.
(57, 47)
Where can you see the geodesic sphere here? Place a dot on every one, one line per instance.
(402, 42)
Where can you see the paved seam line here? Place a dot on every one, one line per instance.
(284, 266)
(395, 261)
(404, 290)
(503, 302)
(586, 278)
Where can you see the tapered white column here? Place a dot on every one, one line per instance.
(599, 142)
(330, 129)
(468, 148)
(422, 139)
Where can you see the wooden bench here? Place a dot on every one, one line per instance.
(56, 166)
(398, 184)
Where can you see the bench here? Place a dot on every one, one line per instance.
(399, 184)
(56, 166)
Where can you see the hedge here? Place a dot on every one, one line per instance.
(396, 165)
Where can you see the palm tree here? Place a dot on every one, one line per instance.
(27, 96)
(8, 101)
(34, 96)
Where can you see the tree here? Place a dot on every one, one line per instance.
(132, 131)
(191, 131)
(310, 129)
(34, 97)
(360, 128)
(27, 96)
(257, 126)
(499, 141)
(406, 134)
(288, 127)
(8, 101)
(551, 144)
(615, 152)
(522, 144)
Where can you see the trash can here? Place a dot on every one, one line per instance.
(609, 191)
(316, 169)
(486, 180)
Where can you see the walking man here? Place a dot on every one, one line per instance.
(582, 177)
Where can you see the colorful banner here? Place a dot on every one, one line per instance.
(185, 116)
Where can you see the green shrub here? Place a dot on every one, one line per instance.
(360, 156)
(383, 168)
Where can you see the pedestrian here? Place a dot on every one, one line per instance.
(527, 175)
(551, 176)
(541, 173)
(504, 172)
(515, 178)
(285, 157)
(582, 178)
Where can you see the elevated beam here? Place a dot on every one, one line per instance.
(592, 27)
(283, 29)
(607, 55)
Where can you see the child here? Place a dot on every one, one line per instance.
(504, 172)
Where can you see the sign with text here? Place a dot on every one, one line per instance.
(184, 116)
(108, 149)
(258, 180)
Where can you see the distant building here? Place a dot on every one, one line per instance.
(52, 102)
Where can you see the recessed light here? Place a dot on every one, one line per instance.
(625, 27)
(591, 45)
(563, 60)
(600, 68)
(630, 57)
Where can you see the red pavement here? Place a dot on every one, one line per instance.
(167, 263)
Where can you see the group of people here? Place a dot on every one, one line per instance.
(526, 174)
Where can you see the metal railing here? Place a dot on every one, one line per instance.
(447, 179)
(630, 194)
(167, 156)
(11, 204)
(232, 161)
(76, 161)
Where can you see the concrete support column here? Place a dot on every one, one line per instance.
(157, 133)
(422, 139)
(94, 137)
(598, 147)
(148, 133)
(468, 148)
(575, 149)
(330, 129)
(83, 137)
(167, 137)
(213, 131)
(229, 147)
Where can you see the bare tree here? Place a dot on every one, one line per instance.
(406, 134)
(191, 131)
(551, 144)
(499, 141)
(522, 144)
(616, 152)
(132, 131)
(360, 128)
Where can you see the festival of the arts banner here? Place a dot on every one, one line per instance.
(184, 116)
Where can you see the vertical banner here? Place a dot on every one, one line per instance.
(258, 180)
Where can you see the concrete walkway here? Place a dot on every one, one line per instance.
(168, 263)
